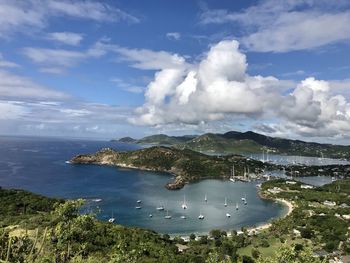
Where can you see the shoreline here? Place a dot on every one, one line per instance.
(251, 229)
(267, 225)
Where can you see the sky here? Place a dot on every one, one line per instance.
(108, 69)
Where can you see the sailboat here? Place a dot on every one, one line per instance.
(160, 208)
(236, 206)
(201, 217)
(167, 215)
(225, 204)
(112, 219)
(263, 159)
(228, 215)
(205, 198)
(244, 198)
(183, 217)
(184, 205)
(138, 207)
(232, 178)
(138, 201)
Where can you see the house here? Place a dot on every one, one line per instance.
(274, 190)
(329, 203)
(291, 182)
(306, 186)
(296, 232)
(181, 248)
(346, 217)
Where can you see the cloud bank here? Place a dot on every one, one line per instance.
(218, 86)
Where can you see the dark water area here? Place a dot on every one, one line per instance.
(39, 165)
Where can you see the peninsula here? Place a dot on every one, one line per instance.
(189, 166)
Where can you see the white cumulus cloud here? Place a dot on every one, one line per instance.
(218, 87)
(68, 38)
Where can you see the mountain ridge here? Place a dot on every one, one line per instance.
(234, 142)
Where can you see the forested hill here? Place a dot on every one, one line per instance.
(186, 164)
(244, 142)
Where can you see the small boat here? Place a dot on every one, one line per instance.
(138, 207)
(160, 208)
(244, 198)
(201, 217)
(112, 219)
(184, 205)
(96, 200)
(236, 206)
(225, 204)
(150, 215)
(228, 215)
(205, 198)
(232, 178)
(138, 201)
(183, 217)
(167, 215)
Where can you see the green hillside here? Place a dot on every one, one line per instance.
(245, 143)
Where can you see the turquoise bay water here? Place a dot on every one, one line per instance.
(38, 165)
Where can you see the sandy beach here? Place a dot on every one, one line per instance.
(267, 225)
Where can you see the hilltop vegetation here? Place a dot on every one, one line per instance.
(321, 216)
(244, 143)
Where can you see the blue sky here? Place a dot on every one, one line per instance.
(103, 69)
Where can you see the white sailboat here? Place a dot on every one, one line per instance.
(263, 156)
(160, 208)
(244, 198)
(225, 204)
(183, 217)
(138, 207)
(236, 206)
(138, 201)
(228, 215)
(167, 215)
(184, 205)
(205, 198)
(201, 217)
(232, 178)
(112, 219)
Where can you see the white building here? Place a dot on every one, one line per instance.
(306, 186)
(329, 203)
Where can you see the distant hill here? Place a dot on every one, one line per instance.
(158, 139)
(186, 164)
(234, 142)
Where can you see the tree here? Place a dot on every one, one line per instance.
(192, 236)
(255, 253)
(215, 233)
(306, 233)
(287, 254)
(214, 257)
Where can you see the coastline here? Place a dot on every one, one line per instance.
(265, 226)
